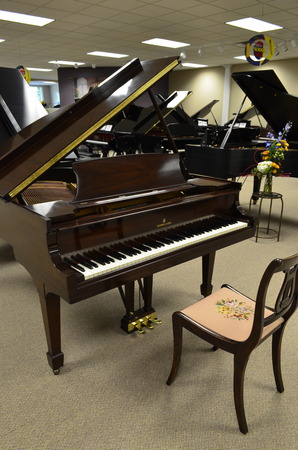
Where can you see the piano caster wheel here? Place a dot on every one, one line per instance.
(56, 371)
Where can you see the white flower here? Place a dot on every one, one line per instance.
(264, 166)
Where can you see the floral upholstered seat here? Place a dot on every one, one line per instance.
(237, 324)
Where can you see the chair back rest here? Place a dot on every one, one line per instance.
(287, 298)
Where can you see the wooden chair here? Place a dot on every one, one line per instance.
(237, 324)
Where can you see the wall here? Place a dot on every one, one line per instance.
(206, 84)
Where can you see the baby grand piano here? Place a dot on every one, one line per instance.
(124, 219)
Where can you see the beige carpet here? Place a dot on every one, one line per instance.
(111, 393)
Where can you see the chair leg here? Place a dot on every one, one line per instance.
(177, 334)
(276, 357)
(239, 372)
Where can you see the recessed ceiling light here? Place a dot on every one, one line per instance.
(24, 18)
(193, 65)
(249, 23)
(35, 69)
(165, 43)
(67, 63)
(107, 54)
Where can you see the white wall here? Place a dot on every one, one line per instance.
(206, 84)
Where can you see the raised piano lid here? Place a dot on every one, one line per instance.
(270, 97)
(31, 152)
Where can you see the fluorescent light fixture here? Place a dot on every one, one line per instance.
(2, 40)
(35, 69)
(24, 18)
(42, 83)
(193, 65)
(240, 57)
(107, 54)
(165, 43)
(67, 63)
(249, 23)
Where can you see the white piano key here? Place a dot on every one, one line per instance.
(155, 252)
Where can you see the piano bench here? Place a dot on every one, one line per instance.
(267, 232)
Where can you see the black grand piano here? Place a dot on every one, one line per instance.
(141, 128)
(276, 105)
(124, 219)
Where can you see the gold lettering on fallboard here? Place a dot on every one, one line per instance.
(164, 223)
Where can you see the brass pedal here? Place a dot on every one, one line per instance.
(152, 319)
(138, 326)
(139, 320)
(146, 323)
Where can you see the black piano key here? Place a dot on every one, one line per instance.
(88, 260)
(113, 253)
(104, 255)
(81, 261)
(125, 249)
(140, 246)
(98, 257)
(154, 242)
(74, 264)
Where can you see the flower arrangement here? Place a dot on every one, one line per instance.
(272, 157)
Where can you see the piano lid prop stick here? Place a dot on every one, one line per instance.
(162, 121)
(225, 139)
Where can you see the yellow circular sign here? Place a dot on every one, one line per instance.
(25, 73)
(257, 45)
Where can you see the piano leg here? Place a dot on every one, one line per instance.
(143, 317)
(207, 269)
(50, 307)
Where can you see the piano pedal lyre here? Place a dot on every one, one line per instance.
(139, 320)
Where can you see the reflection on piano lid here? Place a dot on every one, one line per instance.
(125, 219)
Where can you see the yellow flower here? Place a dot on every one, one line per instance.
(265, 152)
(274, 171)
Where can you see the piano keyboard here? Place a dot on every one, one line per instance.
(99, 261)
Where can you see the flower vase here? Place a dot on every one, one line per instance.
(268, 184)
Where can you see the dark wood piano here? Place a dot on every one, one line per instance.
(276, 105)
(123, 220)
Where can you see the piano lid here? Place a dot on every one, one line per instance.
(19, 106)
(270, 97)
(203, 112)
(31, 152)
